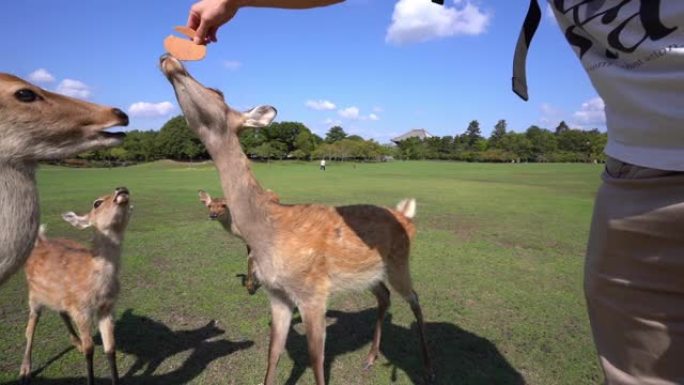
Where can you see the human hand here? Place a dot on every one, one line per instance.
(206, 16)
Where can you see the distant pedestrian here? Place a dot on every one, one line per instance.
(322, 168)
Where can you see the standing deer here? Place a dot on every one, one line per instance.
(39, 125)
(302, 253)
(80, 283)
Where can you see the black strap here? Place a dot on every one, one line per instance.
(528, 29)
(440, 2)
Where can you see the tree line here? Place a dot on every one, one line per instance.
(536, 144)
(293, 140)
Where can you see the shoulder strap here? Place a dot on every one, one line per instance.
(527, 31)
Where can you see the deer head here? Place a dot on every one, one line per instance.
(205, 108)
(37, 124)
(109, 214)
(218, 208)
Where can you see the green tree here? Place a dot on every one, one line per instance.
(472, 135)
(177, 141)
(335, 134)
(543, 142)
(285, 133)
(304, 144)
(412, 148)
(497, 134)
(517, 144)
(119, 154)
(562, 127)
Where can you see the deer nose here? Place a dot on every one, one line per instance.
(121, 115)
(170, 65)
(121, 190)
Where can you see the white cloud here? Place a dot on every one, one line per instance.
(378, 109)
(320, 105)
(150, 110)
(232, 65)
(41, 75)
(421, 20)
(353, 113)
(550, 115)
(332, 122)
(591, 114)
(349, 113)
(73, 88)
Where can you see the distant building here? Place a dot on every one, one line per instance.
(416, 133)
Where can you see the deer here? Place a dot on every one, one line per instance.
(80, 283)
(302, 253)
(218, 210)
(38, 125)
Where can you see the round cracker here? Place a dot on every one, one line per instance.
(187, 31)
(183, 49)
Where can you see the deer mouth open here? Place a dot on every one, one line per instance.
(112, 135)
(121, 195)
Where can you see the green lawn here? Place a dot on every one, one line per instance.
(497, 263)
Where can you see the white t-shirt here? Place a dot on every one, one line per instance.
(634, 55)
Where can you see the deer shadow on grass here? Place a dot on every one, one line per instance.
(459, 357)
(151, 343)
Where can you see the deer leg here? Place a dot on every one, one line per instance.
(418, 313)
(281, 316)
(382, 294)
(83, 326)
(400, 279)
(314, 322)
(106, 326)
(75, 340)
(250, 283)
(25, 371)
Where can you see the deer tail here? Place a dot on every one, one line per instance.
(407, 207)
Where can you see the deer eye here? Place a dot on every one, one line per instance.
(25, 95)
(97, 203)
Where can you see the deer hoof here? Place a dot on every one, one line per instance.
(430, 378)
(25, 378)
(369, 362)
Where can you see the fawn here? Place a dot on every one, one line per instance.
(302, 253)
(80, 283)
(39, 125)
(218, 210)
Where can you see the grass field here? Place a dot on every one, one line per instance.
(497, 263)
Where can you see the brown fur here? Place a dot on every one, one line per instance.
(79, 282)
(302, 253)
(218, 210)
(46, 126)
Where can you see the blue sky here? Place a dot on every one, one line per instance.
(378, 68)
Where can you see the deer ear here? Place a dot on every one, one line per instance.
(204, 197)
(260, 116)
(76, 221)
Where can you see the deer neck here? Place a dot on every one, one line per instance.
(225, 222)
(107, 247)
(19, 214)
(245, 197)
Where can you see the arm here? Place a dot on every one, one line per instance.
(291, 4)
(206, 16)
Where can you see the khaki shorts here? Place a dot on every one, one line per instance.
(634, 275)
